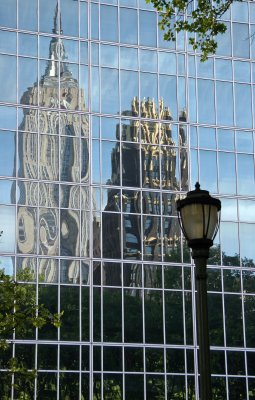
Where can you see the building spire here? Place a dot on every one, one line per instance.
(57, 29)
(56, 65)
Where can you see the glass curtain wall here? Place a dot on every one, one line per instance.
(103, 125)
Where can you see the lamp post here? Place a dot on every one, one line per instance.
(198, 215)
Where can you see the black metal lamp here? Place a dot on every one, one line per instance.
(199, 216)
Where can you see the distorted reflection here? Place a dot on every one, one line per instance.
(163, 167)
(171, 240)
(151, 238)
(152, 276)
(111, 235)
(54, 157)
(69, 271)
(151, 202)
(112, 274)
(48, 270)
(48, 194)
(48, 231)
(26, 229)
(132, 237)
(70, 228)
(85, 229)
(26, 268)
(131, 201)
(69, 196)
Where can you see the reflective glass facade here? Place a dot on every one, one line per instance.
(103, 125)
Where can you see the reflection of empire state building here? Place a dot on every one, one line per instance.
(58, 153)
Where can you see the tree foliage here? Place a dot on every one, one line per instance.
(20, 314)
(201, 19)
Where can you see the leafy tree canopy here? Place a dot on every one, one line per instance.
(201, 19)
(20, 314)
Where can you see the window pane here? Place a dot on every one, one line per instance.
(46, 15)
(8, 226)
(227, 173)
(94, 21)
(110, 128)
(109, 56)
(243, 105)
(226, 139)
(27, 79)
(229, 243)
(8, 78)
(192, 100)
(205, 69)
(110, 163)
(129, 90)
(247, 231)
(229, 209)
(244, 141)
(241, 40)
(224, 42)
(207, 138)
(8, 41)
(149, 87)
(223, 69)
(148, 28)
(128, 58)
(69, 16)
(246, 210)
(206, 111)
(224, 99)
(28, 15)
(8, 13)
(240, 12)
(109, 85)
(109, 23)
(245, 174)
(148, 60)
(95, 89)
(8, 156)
(242, 71)
(84, 20)
(167, 63)
(208, 170)
(128, 26)
(28, 45)
(167, 92)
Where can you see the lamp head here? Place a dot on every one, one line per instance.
(199, 215)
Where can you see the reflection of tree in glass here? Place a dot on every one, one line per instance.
(113, 328)
(20, 313)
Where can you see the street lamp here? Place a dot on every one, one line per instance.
(198, 215)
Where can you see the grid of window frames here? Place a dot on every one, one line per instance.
(103, 125)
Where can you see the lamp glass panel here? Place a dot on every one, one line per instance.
(212, 218)
(192, 220)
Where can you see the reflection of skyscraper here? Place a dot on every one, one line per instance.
(59, 140)
(160, 159)
(88, 185)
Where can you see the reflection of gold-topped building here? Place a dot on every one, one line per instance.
(158, 146)
(162, 160)
(59, 141)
